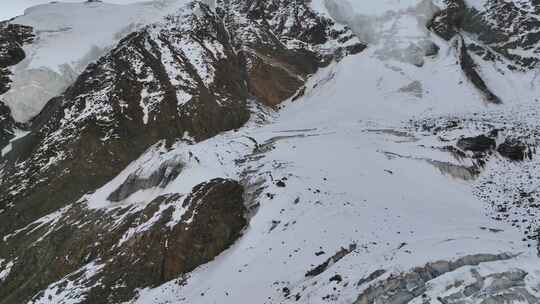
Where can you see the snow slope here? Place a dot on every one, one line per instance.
(347, 179)
(355, 173)
(69, 37)
(351, 173)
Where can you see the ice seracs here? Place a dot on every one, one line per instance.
(397, 29)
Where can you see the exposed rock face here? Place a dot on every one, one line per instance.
(483, 145)
(452, 22)
(180, 77)
(448, 22)
(186, 78)
(12, 38)
(7, 124)
(149, 88)
(134, 182)
(282, 42)
(334, 259)
(489, 33)
(514, 149)
(470, 69)
(126, 250)
(480, 144)
(497, 25)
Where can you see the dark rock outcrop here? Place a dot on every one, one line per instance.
(166, 173)
(282, 43)
(470, 69)
(452, 22)
(495, 27)
(146, 90)
(180, 77)
(12, 38)
(513, 149)
(478, 144)
(7, 125)
(109, 259)
(343, 252)
(448, 22)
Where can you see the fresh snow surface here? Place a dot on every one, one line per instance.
(69, 36)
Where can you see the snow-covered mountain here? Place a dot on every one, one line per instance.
(271, 151)
(68, 37)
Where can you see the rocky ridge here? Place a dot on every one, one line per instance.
(503, 32)
(12, 38)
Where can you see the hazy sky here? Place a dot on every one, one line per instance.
(12, 8)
